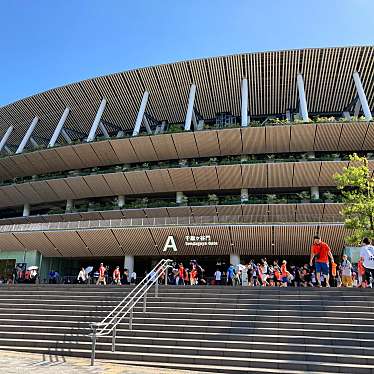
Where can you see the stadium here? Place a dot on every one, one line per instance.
(219, 159)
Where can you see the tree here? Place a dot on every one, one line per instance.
(357, 187)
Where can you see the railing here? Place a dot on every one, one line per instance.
(126, 307)
(254, 219)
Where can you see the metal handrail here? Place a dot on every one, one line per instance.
(110, 322)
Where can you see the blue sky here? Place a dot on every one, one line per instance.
(49, 43)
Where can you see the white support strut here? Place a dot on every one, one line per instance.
(362, 96)
(5, 137)
(244, 121)
(190, 108)
(139, 118)
(96, 122)
(302, 98)
(27, 136)
(58, 128)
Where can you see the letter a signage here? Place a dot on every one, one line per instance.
(170, 244)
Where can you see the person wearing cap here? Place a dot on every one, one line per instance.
(321, 252)
(346, 270)
(117, 276)
(101, 278)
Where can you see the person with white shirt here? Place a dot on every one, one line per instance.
(346, 269)
(82, 276)
(367, 257)
(133, 277)
(218, 277)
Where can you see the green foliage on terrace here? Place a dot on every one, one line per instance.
(212, 161)
(357, 188)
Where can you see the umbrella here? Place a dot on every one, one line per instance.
(88, 269)
(32, 268)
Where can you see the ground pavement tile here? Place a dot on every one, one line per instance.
(18, 362)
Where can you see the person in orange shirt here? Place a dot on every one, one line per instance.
(284, 274)
(321, 252)
(193, 276)
(333, 273)
(361, 272)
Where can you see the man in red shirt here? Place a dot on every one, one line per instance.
(101, 278)
(321, 252)
(117, 276)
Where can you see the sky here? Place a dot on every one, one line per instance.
(50, 43)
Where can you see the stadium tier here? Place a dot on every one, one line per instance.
(229, 156)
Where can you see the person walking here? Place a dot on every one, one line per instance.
(284, 274)
(101, 278)
(346, 270)
(367, 257)
(181, 275)
(117, 276)
(321, 252)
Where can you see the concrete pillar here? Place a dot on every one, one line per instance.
(191, 102)
(129, 264)
(96, 122)
(163, 126)
(346, 115)
(302, 98)
(104, 130)
(66, 136)
(362, 96)
(244, 113)
(26, 210)
(311, 155)
(244, 195)
(179, 197)
(139, 118)
(288, 116)
(314, 193)
(234, 259)
(58, 128)
(5, 137)
(26, 138)
(121, 201)
(69, 205)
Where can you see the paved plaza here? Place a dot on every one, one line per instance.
(21, 362)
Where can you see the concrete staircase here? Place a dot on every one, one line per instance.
(212, 329)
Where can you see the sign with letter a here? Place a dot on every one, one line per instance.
(170, 244)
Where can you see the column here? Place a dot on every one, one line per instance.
(26, 210)
(179, 197)
(121, 201)
(190, 108)
(96, 122)
(244, 103)
(139, 118)
(58, 128)
(244, 195)
(5, 137)
(69, 205)
(129, 264)
(314, 193)
(302, 98)
(234, 259)
(26, 138)
(362, 96)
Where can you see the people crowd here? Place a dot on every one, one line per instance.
(321, 271)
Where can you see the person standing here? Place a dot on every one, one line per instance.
(367, 257)
(133, 277)
(346, 270)
(117, 276)
(101, 278)
(217, 277)
(181, 275)
(360, 273)
(321, 252)
(82, 276)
